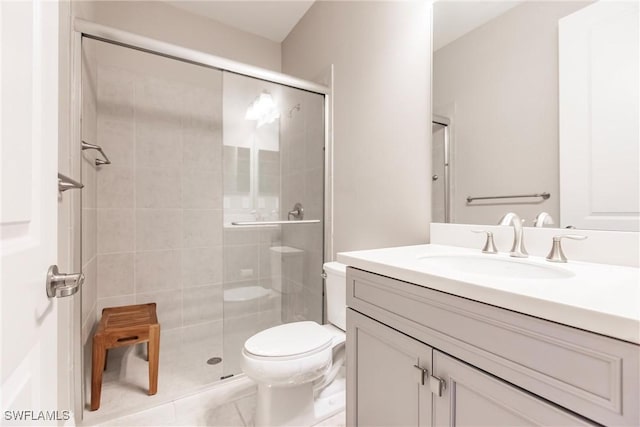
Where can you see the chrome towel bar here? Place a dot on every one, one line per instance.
(104, 161)
(249, 223)
(544, 196)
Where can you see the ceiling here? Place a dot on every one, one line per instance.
(270, 19)
(453, 19)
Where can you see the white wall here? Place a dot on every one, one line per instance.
(499, 85)
(164, 22)
(382, 129)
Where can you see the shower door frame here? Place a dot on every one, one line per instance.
(445, 122)
(91, 30)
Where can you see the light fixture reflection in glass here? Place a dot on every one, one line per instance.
(264, 109)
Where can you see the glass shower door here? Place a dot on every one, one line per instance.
(273, 158)
(440, 167)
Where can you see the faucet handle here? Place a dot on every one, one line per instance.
(489, 244)
(556, 254)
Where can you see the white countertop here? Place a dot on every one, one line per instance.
(600, 298)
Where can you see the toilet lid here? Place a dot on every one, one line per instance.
(288, 340)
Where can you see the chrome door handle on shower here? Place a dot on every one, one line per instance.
(62, 285)
(297, 212)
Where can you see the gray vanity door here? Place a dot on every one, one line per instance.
(384, 387)
(475, 398)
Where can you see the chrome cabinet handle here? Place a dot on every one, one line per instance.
(489, 244)
(62, 285)
(556, 254)
(437, 385)
(423, 373)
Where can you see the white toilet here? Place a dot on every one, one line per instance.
(294, 362)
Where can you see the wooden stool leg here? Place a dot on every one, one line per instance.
(106, 357)
(154, 356)
(97, 365)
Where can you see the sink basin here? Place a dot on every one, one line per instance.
(489, 265)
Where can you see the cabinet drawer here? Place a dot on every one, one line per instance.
(589, 374)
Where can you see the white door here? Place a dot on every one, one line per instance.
(599, 117)
(28, 210)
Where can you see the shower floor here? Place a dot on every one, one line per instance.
(229, 403)
(183, 369)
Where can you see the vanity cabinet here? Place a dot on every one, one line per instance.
(420, 357)
(390, 370)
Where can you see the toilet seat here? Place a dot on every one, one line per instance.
(289, 354)
(291, 340)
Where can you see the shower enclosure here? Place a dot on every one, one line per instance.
(441, 167)
(212, 207)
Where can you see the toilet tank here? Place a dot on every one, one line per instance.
(336, 284)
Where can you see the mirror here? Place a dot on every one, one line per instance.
(537, 100)
(251, 148)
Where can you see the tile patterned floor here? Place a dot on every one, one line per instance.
(231, 404)
(189, 390)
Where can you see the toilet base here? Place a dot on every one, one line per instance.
(285, 406)
(299, 405)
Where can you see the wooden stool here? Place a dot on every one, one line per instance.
(122, 326)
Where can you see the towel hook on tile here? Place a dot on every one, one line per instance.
(99, 162)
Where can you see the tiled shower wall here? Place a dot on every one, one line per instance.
(159, 204)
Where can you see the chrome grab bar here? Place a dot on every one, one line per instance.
(544, 196)
(65, 183)
(300, 221)
(99, 162)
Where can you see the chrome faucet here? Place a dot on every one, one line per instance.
(518, 250)
(543, 218)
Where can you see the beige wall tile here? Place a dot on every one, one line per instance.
(158, 229)
(158, 270)
(241, 262)
(168, 307)
(201, 228)
(202, 149)
(89, 289)
(159, 98)
(117, 301)
(115, 230)
(115, 92)
(117, 139)
(158, 144)
(158, 188)
(89, 234)
(90, 181)
(202, 304)
(201, 190)
(115, 187)
(234, 236)
(115, 274)
(201, 266)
